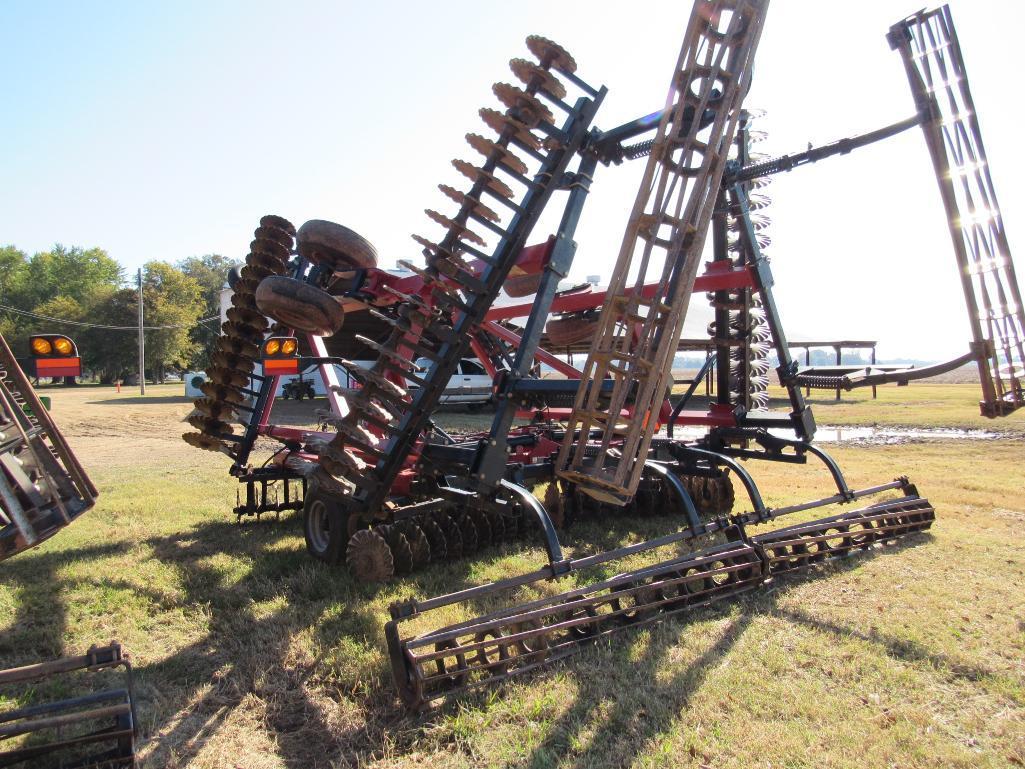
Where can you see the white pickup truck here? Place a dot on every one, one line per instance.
(470, 384)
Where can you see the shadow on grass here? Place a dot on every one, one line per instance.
(39, 626)
(269, 602)
(629, 723)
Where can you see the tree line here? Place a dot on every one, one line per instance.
(88, 286)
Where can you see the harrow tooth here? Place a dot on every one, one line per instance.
(369, 557)
(339, 457)
(206, 442)
(215, 409)
(477, 175)
(403, 368)
(388, 352)
(459, 271)
(490, 149)
(367, 405)
(393, 403)
(419, 546)
(272, 250)
(369, 376)
(482, 526)
(431, 328)
(221, 392)
(474, 207)
(254, 273)
(433, 247)
(278, 222)
(242, 331)
(537, 78)
(435, 537)
(555, 504)
(401, 553)
(378, 405)
(455, 229)
(228, 377)
(358, 436)
(245, 316)
(453, 536)
(268, 260)
(237, 346)
(209, 425)
(246, 285)
(231, 360)
(275, 234)
(758, 221)
(527, 108)
(431, 280)
(452, 301)
(371, 418)
(468, 533)
(503, 125)
(497, 525)
(551, 54)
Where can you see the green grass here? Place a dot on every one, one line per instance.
(249, 654)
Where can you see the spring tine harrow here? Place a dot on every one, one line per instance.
(664, 237)
(96, 729)
(486, 649)
(936, 72)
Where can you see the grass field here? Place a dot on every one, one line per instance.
(249, 654)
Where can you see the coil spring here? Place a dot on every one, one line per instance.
(748, 334)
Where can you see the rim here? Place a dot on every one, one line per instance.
(318, 527)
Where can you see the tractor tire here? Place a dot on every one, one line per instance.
(334, 246)
(325, 525)
(299, 305)
(563, 332)
(522, 285)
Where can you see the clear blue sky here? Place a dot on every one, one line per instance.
(161, 131)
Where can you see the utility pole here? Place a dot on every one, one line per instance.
(142, 344)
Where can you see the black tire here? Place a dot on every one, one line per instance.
(334, 246)
(324, 525)
(299, 305)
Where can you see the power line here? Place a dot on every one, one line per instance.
(38, 316)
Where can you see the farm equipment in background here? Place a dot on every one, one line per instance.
(43, 488)
(390, 492)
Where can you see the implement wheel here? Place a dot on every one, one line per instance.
(324, 524)
(334, 246)
(299, 305)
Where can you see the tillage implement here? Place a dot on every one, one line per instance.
(388, 491)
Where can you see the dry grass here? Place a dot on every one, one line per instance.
(250, 655)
